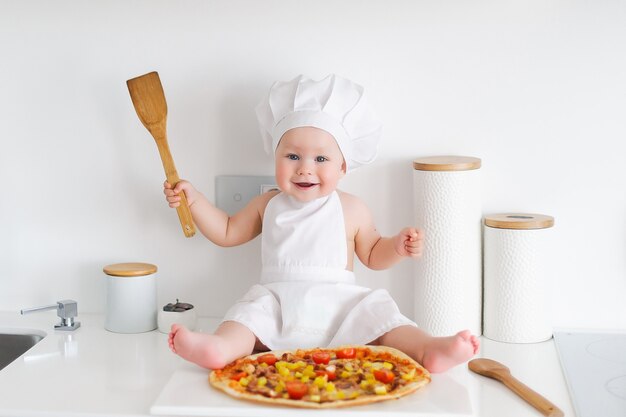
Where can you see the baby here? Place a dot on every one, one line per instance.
(307, 296)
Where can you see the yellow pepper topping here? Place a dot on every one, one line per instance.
(280, 387)
(309, 371)
(380, 389)
(409, 375)
(320, 381)
(262, 381)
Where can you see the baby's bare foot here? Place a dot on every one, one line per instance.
(442, 353)
(172, 335)
(200, 348)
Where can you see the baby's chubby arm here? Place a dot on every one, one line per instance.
(387, 251)
(375, 251)
(215, 224)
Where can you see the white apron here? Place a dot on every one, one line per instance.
(307, 298)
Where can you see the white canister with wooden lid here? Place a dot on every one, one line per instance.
(131, 297)
(516, 279)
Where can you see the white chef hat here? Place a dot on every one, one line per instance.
(334, 104)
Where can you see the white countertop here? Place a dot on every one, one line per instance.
(93, 372)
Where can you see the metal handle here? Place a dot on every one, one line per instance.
(67, 310)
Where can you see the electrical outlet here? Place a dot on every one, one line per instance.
(269, 187)
(233, 192)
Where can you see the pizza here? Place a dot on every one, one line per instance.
(322, 378)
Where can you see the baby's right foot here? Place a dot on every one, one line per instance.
(200, 348)
(442, 353)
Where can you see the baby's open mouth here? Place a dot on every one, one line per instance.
(305, 184)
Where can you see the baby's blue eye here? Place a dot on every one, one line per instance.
(293, 157)
(321, 159)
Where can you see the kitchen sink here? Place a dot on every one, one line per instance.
(14, 342)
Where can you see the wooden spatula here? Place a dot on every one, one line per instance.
(148, 98)
(497, 371)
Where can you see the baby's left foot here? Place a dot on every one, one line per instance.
(442, 353)
(202, 349)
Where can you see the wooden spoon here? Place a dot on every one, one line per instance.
(495, 370)
(148, 98)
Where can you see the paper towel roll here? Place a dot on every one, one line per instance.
(448, 277)
(515, 294)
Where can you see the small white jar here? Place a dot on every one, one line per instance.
(131, 297)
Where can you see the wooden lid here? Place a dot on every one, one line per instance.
(446, 163)
(131, 269)
(519, 221)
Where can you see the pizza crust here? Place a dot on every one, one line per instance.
(224, 384)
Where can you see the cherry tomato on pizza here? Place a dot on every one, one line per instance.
(346, 353)
(296, 389)
(268, 358)
(384, 375)
(320, 357)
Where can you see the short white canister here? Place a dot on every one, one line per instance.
(131, 297)
(516, 277)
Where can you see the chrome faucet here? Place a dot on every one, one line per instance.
(67, 310)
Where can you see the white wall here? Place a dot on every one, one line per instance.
(535, 88)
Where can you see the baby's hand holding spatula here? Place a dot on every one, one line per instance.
(172, 194)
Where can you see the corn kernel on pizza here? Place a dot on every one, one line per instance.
(322, 378)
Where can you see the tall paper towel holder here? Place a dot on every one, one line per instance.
(447, 205)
